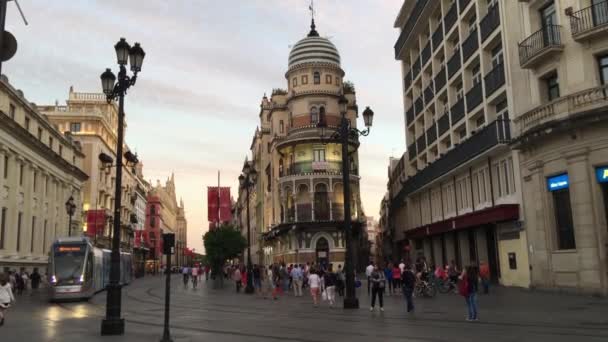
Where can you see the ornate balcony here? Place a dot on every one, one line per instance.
(457, 111)
(470, 45)
(409, 26)
(495, 134)
(592, 101)
(540, 46)
(437, 37)
(309, 168)
(454, 64)
(443, 123)
(490, 22)
(494, 79)
(440, 80)
(450, 18)
(589, 22)
(474, 97)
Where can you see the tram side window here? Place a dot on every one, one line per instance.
(89, 270)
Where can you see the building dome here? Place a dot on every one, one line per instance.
(314, 48)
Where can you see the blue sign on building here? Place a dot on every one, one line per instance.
(602, 174)
(558, 182)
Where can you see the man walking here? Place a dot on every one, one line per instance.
(35, 281)
(185, 274)
(408, 280)
(368, 274)
(194, 277)
(298, 278)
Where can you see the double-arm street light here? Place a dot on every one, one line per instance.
(247, 180)
(113, 324)
(344, 133)
(70, 209)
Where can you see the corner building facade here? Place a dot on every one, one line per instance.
(456, 192)
(297, 203)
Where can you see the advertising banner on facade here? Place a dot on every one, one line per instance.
(212, 203)
(219, 197)
(95, 222)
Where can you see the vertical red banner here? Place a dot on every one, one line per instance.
(225, 205)
(212, 204)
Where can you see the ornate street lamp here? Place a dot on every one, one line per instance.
(342, 135)
(113, 324)
(70, 209)
(247, 180)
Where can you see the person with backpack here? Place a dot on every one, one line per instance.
(468, 289)
(378, 283)
(330, 281)
(408, 280)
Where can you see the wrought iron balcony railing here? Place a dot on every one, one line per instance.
(490, 22)
(450, 18)
(470, 45)
(494, 79)
(409, 26)
(457, 111)
(454, 64)
(590, 19)
(474, 96)
(539, 43)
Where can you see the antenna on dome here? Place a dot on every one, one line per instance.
(313, 32)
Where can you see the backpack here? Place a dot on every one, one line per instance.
(463, 287)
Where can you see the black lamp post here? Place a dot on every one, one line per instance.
(70, 209)
(113, 324)
(343, 134)
(247, 180)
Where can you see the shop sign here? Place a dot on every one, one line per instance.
(602, 174)
(558, 182)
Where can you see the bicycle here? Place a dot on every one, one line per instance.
(424, 288)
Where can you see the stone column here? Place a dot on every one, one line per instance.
(584, 220)
(331, 207)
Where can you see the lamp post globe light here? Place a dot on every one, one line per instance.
(116, 88)
(70, 209)
(342, 135)
(247, 180)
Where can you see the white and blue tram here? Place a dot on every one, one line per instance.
(78, 270)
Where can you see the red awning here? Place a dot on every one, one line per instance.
(500, 213)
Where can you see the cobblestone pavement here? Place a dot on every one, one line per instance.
(205, 314)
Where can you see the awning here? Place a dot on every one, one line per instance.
(499, 213)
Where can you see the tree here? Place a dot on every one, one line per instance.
(221, 244)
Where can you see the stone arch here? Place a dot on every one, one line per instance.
(327, 236)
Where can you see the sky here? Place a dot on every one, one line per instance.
(208, 63)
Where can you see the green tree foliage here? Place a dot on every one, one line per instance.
(221, 244)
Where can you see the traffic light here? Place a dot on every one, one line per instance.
(168, 243)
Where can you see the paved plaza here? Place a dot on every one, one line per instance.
(222, 315)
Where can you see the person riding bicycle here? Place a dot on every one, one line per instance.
(422, 269)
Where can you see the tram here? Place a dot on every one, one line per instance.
(78, 270)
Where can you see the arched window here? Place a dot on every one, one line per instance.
(304, 204)
(317, 77)
(321, 203)
(322, 115)
(314, 115)
(152, 210)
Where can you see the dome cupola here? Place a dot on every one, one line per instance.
(314, 48)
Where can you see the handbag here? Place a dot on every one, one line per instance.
(324, 295)
(463, 287)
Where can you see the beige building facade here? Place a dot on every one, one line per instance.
(40, 168)
(296, 208)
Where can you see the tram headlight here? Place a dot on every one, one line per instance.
(82, 278)
(53, 279)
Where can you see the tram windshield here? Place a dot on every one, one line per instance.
(69, 263)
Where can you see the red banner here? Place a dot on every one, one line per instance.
(225, 205)
(212, 203)
(95, 222)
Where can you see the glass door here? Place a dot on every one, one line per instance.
(549, 22)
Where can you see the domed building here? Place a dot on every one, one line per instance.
(296, 208)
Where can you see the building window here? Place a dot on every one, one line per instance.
(337, 81)
(295, 82)
(492, 3)
(319, 154)
(152, 222)
(480, 121)
(19, 219)
(304, 79)
(51, 143)
(502, 110)
(317, 77)
(39, 133)
(46, 185)
(497, 56)
(5, 166)
(11, 111)
(27, 123)
(472, 24)
(33, 237)
(3, 227)
(75, 127)
(20, 174)
(328, 79)
(290, 118)
(476, 74)
(563, 219)
(281, 127)
(61, 150)
(269, 147)
(314, 116)
(552, 84)
(548, 18)
(603, 64)
(35, 181)
(322, 115)
(459, 91)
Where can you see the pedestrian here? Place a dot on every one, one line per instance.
(329, 284)
(257, 279)
(284, 275)
(401, 266)
(244, 275)
(185, 275)
(314, 281)
(388, 274)
(484, 275)
(207, 271)
(468, 289)
(306, 270)
(200, 273)
(271, 288)
(408, 281)
(6, 296)
(341, 281)
(297, 277)
(378, 283)
(194, 277)
(237, 278)
(396, 274)
(368, 273)
(19, 283)
(35, 280)
(453, 274)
